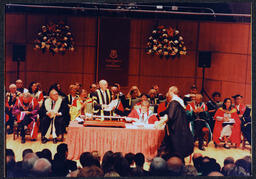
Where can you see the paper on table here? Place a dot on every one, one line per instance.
(111, 105)
(231, 120)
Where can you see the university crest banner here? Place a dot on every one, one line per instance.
(114, 42)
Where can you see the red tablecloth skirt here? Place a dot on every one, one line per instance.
(86, 139)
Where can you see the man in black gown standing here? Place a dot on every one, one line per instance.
(178, 140)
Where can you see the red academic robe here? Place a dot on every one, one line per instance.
(162, 107)
(241, 108)
(33, 107)
(134, 114)
(236, 130)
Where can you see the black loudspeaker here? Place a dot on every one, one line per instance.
(204, 59)
(19, 53)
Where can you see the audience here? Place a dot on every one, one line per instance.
(116, 165)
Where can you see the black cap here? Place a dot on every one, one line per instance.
(236, 96)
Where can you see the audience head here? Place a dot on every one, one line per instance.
(121, 165)
(29, 161)
(198, 98)
(175, 166)
(227, 104)
(62, 148)
(156, 88)
(216, 96)
(54, 95)
(107, 162)
(237, 99)
(189, 170)
(32, 88)
(96, 155)
(173, 90)
(152, 93)
(72, 89)
(244, 163)
(26, 97)
(130, 158)
(92, 171)
(46, 153)
(10, 157)
(12, 88)
(112, 174)
(87, 160)
(226, 169)
(139, 159)
(228, 160)
(42, 167)
(209, 165)
(193, 89)
(158, 167)
(93, 88)
(83, 94)
(215, 173)
(197, 161)
(19, 83)
(25, 152)
(39, 154)
(144, 106)
(103, 84)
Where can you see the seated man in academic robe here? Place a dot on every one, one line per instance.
(199, 117)
(101, 98)
(213, 105)
(81, 105)
(26, 111)
(132, 98)
(10, 100)
(52, 116)
(143, 114)
(244, 115)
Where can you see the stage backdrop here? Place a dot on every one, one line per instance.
(114, 50)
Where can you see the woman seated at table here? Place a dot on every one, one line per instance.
(81, 105)
(227, 125)
(143, 114)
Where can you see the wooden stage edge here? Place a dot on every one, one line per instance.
(219, 153)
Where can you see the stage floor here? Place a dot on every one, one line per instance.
(219, 153)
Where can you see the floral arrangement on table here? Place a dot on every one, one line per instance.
(55, 38)
(166, 42)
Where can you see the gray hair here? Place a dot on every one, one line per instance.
(26, 95)
(12, 86)
(42, 165)
(29, 161)
(173, 90)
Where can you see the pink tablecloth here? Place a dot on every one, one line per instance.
(86, 139)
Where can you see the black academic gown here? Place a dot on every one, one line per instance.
(178, 138)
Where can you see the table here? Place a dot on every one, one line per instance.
(87, 139)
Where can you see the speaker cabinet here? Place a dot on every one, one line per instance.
(19, 53)
(204, 59)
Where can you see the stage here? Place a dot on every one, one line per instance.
(218, 153)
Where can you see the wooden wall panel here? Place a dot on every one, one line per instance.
(249, 70)
(88, 79)
(224, 37)
(250, 40)
(134, 61)
(248, 94)
(227, 67)
(15, 28)
(211, 86)
(188, 30)
(88, 60)
(77, 26)
(135, 34)
(90, 33)
(155, 66)
(147, 27)
(34, 24)
(230, 89)
(70, 62)
(11, 77)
